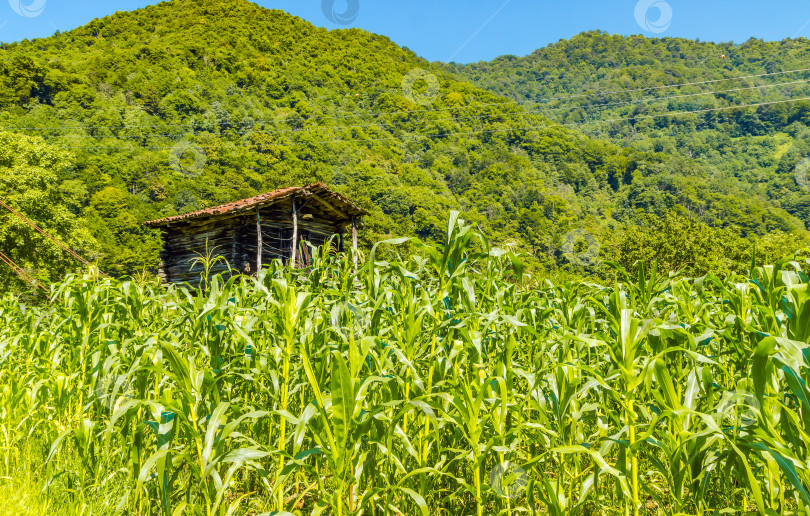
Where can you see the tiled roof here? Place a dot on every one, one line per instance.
(339, 202)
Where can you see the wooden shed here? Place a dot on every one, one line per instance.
(252, 232)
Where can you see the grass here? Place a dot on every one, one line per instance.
(20, 498)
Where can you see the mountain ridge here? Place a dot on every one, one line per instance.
(266, 100)
(623, 82)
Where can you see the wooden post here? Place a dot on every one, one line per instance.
(354, 240)
(259, 241)
(293, 260)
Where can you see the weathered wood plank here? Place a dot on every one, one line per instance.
(273, 234)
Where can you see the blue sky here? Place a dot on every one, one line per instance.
(472, 30)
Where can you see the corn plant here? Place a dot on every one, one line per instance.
(439, 380)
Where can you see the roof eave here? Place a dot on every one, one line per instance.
(348, 207)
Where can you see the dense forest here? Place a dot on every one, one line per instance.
(624, 89)
(193, 103)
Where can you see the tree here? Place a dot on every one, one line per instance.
(677, 243)
(29, 172)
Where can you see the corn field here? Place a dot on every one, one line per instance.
(434, 383)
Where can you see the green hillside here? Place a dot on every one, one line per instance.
(595, 303)
(193, 103)
(617, 88)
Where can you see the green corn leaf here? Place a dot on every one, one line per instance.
(418, 500)
(787, 468)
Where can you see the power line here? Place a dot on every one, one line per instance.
(671, 97)
(466, 133)
(470, 106)
(698, 111)
(48, 236)
(22, 273)
(475, 117)
(548, 99)
(680, 85)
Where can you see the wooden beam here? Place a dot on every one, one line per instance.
(258, 240)
(354, 240)
(304, 204)
(294, 235)
(329, 208)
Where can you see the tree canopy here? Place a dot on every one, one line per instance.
(625, 89)
(192, 103)
(29, 172)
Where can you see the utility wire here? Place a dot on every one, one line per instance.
(474, 117)
(22, 273)
(465, 133)
(48, 236)
(679, 85)
(470, 106)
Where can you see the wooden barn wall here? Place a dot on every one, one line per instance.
(182, 248)
(235, 238)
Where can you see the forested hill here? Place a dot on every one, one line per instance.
(193, 103)
(617, 88)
